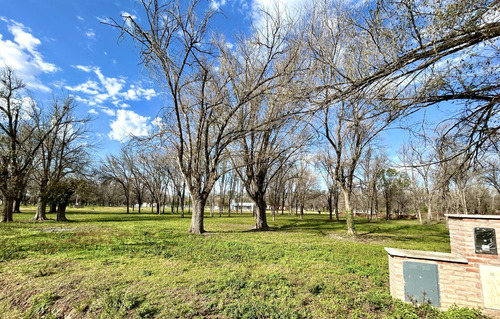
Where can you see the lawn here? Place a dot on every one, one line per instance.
(105, 263)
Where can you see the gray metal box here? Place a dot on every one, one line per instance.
(421, 282)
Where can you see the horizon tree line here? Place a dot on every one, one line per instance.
(333, 77)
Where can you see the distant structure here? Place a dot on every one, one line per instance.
(242, 206)
(469, 276)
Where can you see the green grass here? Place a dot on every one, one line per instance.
(105, 263)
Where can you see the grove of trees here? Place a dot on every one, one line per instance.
(292, 116)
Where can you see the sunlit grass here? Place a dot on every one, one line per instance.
(106, 263)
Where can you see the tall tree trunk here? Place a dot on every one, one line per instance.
(212, 205)
(41, 209)
(172, 205)
(197, 216)
(53, 208)
(127, 199)
(61, 212)
(336, 204)
(463, 200)
(260, 216)
(429, 211)
(17, 205)
(183, 197)
(419, 215)
(177, 203)
(8, 203)
(387, 208)
(330, 205)
(351, 229)
(301, 211)
(283, 199)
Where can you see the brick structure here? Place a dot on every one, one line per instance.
(469, 276)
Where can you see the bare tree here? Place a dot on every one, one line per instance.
(325, 163)
(21, 136)
(63, 152)
(372, 166)
(421, 158)
(491, 173)
(153, 165)
(352, 114)
(177, 48)
(306, 182)
(116, 168)
(429, 52)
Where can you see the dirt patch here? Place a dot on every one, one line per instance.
(359, 238)
(53, 229)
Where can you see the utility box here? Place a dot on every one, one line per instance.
(421, 282)
(469, 276)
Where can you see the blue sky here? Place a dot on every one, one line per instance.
(60, 47)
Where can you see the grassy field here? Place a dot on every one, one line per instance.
(109, 264)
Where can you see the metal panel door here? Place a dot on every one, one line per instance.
(421, 282)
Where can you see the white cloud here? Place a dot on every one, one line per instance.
(275, 7)
(110, 89)
(215, 5)
(22, 55)
(127, 124)
(80, 18)
(112, 85)
(108, 94)
(84, 68)
(89, 87)
(125, 16)
(93, 111)
(104, 20)
(90, 34)
(158, 122)
(107, 111)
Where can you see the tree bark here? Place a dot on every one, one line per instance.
(53, 208)
(41, 209)
(61, 212)
(8, 203)
(330, 205)
(351, 229)
(183, 197)
(387, 198)
(429, 212)
(197, 216)
(17, 205)
(336, 204)
(260, 216)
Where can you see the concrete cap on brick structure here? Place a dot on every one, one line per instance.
(473, 216)
(426, 255)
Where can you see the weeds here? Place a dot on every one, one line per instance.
(117, 265)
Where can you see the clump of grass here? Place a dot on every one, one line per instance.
(147, 310)
(41, 304)
(116, 302)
